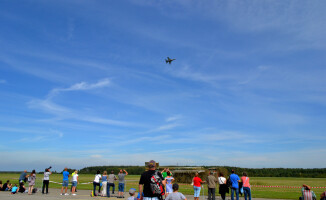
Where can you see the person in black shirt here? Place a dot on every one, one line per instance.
(145, 180)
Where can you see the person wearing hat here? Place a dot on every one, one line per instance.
(307, 193)
(132, 193)
(145, 182)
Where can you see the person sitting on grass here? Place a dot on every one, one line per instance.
(14, 189)
(176, 195)
(307, 193)
(22, 187)
(323, 196)
(6, 186)
(132, 193)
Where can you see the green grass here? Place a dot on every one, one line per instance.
(257, 192)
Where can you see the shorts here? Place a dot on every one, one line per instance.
(74, 183)
(65, 183)
(121, 187)
(196, 191)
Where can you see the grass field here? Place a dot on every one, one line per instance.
(261, 192)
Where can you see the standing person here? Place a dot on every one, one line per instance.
(169, 179)
(31, 182)
(72, 174)
(46, 180)
(165, 172)
(197, 184)
(74, 182)
(96, 182)
(223, 188)
(246, 185)
(145, 183)
(176, 195)
(65, 181)
(1, 185)
(211, 185)
(111, 179)
(23, 176)
(234, 178)
(121, 187)
(104, 183)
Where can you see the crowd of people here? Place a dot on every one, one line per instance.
(153, 185)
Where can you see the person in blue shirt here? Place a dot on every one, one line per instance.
(14, 189)
(65, 181)
(234, 178)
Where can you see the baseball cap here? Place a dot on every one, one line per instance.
(132, 191)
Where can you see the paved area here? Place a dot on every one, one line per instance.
(81, 194)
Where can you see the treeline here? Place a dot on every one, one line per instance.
(132, 170)
(253, 172)
(279, 172)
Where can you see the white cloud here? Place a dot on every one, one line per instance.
(173, 118)
(80, 86)
(164, 127)
(2, 81)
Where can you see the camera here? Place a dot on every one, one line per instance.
(47, 169)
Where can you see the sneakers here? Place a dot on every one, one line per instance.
(66, 194)
(74, 194)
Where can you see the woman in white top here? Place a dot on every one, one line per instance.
(46, 180)
(223, 187)
(96, 182)
(74, 182)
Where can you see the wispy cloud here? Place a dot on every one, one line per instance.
(80, 86)
(61, 112)
(2, 81)
(173, 118)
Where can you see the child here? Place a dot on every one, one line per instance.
(175, 195)
(132, 192)
(14, 189)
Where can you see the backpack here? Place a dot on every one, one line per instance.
(156, 185)
(229, 183)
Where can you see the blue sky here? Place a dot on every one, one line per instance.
(84, 83)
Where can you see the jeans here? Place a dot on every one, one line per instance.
(45, 185)
(236, 190)
(247, 191)
(211, 194)
(65, 183)
(108, 189)
(196, 191)
(94, 189)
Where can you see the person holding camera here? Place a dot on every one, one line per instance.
(46, 180)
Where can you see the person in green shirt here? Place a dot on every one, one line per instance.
(165, 172)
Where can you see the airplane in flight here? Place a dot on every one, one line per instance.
(169, 60)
